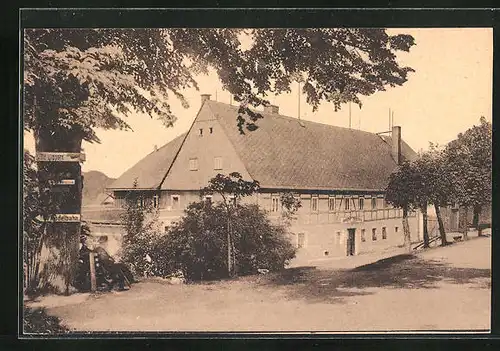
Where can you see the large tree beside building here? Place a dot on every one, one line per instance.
(433, 187)
(79, 80)
(469, 166)
(402, 192)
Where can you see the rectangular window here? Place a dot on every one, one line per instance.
(346, 204)
(211, 130)
(339, 238)
(374, 234)
(374, 203)
(396, 229)
(201, 131)
(384, 233)
(217, 163)
(363, 235)
(331, 204)
(156, 201)
(301, 240)
(314, 204)
(193, 164)
(275, 204)
(175, 202)
(361, 203)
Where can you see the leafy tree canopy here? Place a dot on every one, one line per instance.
(469, 165)
(83, 79)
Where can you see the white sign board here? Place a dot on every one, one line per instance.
(351, 220)
(60, 157)
(67, 217)
(62, 182)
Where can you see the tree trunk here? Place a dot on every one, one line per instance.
(425, 226)
(60, 245)
(442, 232)
(475, 221)
(465, 223)
(406, 230)
(475, 217)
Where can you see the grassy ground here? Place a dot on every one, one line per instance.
(439, 289)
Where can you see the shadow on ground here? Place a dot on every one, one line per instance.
(405, 271)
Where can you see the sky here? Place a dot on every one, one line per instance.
(449, 91)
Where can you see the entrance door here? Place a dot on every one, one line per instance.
(351, 235)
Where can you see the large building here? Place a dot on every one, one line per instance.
(339, 174)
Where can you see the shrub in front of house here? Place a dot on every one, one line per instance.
(197, 244)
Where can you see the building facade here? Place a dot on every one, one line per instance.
(339, 174)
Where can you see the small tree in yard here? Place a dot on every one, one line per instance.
(197, 244)
(469, 164)
(401, 193)
(231, 188)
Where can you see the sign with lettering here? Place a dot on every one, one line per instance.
(60, 157)
(67, 217)
(62, 182)
(351, 220)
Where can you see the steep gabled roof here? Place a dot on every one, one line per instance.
(151, 170)
(286, 153)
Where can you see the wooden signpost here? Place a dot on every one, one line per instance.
(62, 174)
(62, 182)
(60, 157)
(67, 217)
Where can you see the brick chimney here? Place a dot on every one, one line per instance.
(205, 97)
(273, 109)
(396, 144)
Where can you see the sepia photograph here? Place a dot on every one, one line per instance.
(256, 180)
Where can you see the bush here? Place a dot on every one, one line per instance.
(197, 244)
(37, 321)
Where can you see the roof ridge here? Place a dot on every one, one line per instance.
(292, 119)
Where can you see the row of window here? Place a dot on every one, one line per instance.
(334, 204)
(301, 237)
(193, 163)
(374, 233)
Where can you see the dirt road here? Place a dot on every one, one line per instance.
(439, 289)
